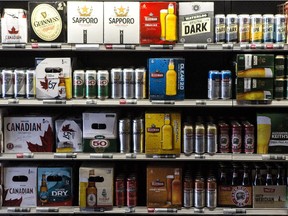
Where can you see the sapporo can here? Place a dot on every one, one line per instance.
(224, 137)
(131, 191)
(79, 84)
(220, 28)
(116, 79)
(211, 193)
(249, 139)
(232, 28)
(280, 28)
(19, 83)
(214, 84)
(236, 137)
(279, 86)
(120, 191)
(188, 199)
(199, 138)
(138, 135)
(140, 83)
(90, 84)
(268, 28)
(256, 32)
(199, 193)
(244, 28)
(226, 84)
(102, 82)
(211, 141)
(128, 83)
(30, 83)
(8, 83)
(188, 139)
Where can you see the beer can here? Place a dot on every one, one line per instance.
(223, 137)
(249, 139)
(232, 28)
(226, 84)
(8, 83)
(236, 137)
(102, 82)
(1, 81)
(116, 79)
(131, 191)
(244, 28)
(211, 193)
(220, 28)
(199, 138)
(214, 84)
(79, 84)
(279, 66)
(279, 88)
(280, 28)
(211, 134)
(188, 192)
(256, 28)
(125, 135)
(188, 139)
(268, 28)
(138, 135)
(199, 193)
(90, 83)
(140, 83)
(120, 191)
(286, 88)
(128, 83)
(30, 83)
(19, 83)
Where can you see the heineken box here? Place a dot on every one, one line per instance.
(166, 78)
(100, 132)
(196, 22)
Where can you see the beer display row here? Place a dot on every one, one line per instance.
(137, 22)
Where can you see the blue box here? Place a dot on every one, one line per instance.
(160, 86)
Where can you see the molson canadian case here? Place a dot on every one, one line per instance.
(121, 22)
(196, 22)
(20, 186)
(158, 22)
(28, 134)
(54, 186)
(47, 22)
(84, 22)
(14, 27)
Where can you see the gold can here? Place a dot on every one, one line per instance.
(256, 34)
(244, 28)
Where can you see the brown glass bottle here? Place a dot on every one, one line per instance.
(246, 177)
(43, 190)
(235, 178)
(258, 178)
(280, 180)
(223, 177)
(176, 188)
(91, 191)
(269, 179)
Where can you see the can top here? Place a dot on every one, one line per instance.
(90, 71)
(113, 70)
(140, 70)
(219, 15)
(268, 15)
(78, 71)
(102, 71)
(244, 15)
(256, 15)
(279, 15)
(128, 70)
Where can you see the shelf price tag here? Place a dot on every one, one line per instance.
(129, 210)
(13, 45)
(100, 155)
(13, 101)
(200, 102)
(131, 155)
(129, 101)
(18, 209)
(65, 155)
(234, 211)
(273, 157)
(87, 46)
(164, 156)
(163, 102)
(54, 101)
(91, 101)
(199, 156)
(227, 46)
(161, 46)
(47, 209)
(195, 46)
(25, 155)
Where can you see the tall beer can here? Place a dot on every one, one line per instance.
(211, 138)
(188, 139)
(256, 28)
(30, 83)
(131, 191)
(78, 84)
(120, 190)
(102, 82)
(249, 138)
(19, 83)
(116, 78)
(214, 84)
(125, 135)
(8, 83)
(220, 28)
(128, 83)
(140, 83)
(231, 28)
(280, 28)
(188, 199)
(138, 135)
(268, 28)
(90, 83)
(226, 84)
(236, 137)
(199, 193)
(199, 138)
(224, 137)
(211, 193)
(244, 28)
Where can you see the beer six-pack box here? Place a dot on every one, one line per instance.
(84, 22)
(196, 22)
(28, 134)
(121, 22)
(54, 186)
(158, 22)
(166, 78)
(47, 21)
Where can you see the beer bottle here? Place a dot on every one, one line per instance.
(280, 177)
(223, 177)
(176, 188)
(246, 177)
(269, 180)
(258, 178)
(91, 191)
(235, 178)
(62, 87)
(43, 190)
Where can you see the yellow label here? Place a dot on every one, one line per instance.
(82, 194)
(256, 33)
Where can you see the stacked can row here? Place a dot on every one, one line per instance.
(219, 84)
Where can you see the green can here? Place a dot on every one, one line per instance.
(102, 82)
(78, 84)
(91, 81)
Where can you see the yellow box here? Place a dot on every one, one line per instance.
(163, 133)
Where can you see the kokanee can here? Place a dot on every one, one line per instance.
(280, 28)
(8, 83)
(226, 84)
(236, 137)
(199, 193)
(30, 83)
(249, 138)
(224, 137)
(220, 28)
(211, 193)
(102, 82)
(128, 83)
(279, 87)
(138, 135)
(116, 80)
(188, 192)
(120, 191)
(211, 138)
(19, 84)
(131, 191)
(79, 84)
(214, 84)
(140, 83)
(268, 28)
(244, 28)
(90, 84)
(188, 139)
(232, 28)
(256, 32)
(199, 138)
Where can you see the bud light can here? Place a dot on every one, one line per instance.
(116, 83)
(226, 84)
(102, 81)
(78, 84)
(213, 84)
(90, 84)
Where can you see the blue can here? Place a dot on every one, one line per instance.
(226, 84)
(214, 77)
(280, 28)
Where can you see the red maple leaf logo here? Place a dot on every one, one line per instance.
(44, 84)
(10, 202)
(67, 128)
(13, 31)
(47, 142)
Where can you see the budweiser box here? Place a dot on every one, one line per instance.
(235, 196)
(164, 187)
(96, 187)
(53, 78)
(14, 27)
(100, 132)
(28, 134)
(272, 196)
(54, 186)
(196, 22)
(121, 22)
(47, 21)
(162, 133)
(272, 133)
(158, 22)
(69, 136)
(166, 78)
(20, 186)
(84, 22)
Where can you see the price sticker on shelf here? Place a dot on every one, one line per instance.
(199, 156)
(234, 211)
(25, 155)
(200, 102)
(18, 209)
(100, 155)
(273, 157)
(47, 209)
(13, 101)
(65, 155)
(131, 155)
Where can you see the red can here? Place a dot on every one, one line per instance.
(249, 139)
(236, 137)
(224, 137)
(131, 191)
(120, 191)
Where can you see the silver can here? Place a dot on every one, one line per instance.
(19, 83)
(188, 191)
(138, 135)
(8, 83)
(220, 30)
(1, 81)
(125, 135)
(199, 138)
(30, 83)
(116, 79)
(211, 138)
(140, 83)
(102, 84)
(128, 83)
(244, 28)
(199, 193)
(232, 28)
(226, 84)
(90, 84)
(211, 193)
(214, 84)
(268, 28)
(280, 28)
(188, 139)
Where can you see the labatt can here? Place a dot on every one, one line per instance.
(8, 83)
(19, 84)
(256, 28)
(268, 28)
(90, 83)
(244, 28)
(30, 83)
(78, 84)
(220, 28)
(102, 82)
(280, 28)
(116, 79)
(231, 28)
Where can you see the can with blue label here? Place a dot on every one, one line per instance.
(214, 84)
(226, 84)
(268, 28)
(279, 28)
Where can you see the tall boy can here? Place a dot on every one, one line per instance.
(19, 84)
(268, 28)
(140, 83)
(90, 83)
(244, 28)
(231, 28)
(226, 84)
(78, 84)
(116, 78)
(30, 83)
(102, 82)
(8, 83)
(256, 28)
(220, 28)
(128, 83)
(280, 28)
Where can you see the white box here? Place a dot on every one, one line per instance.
(85, 22)
(121, 22)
